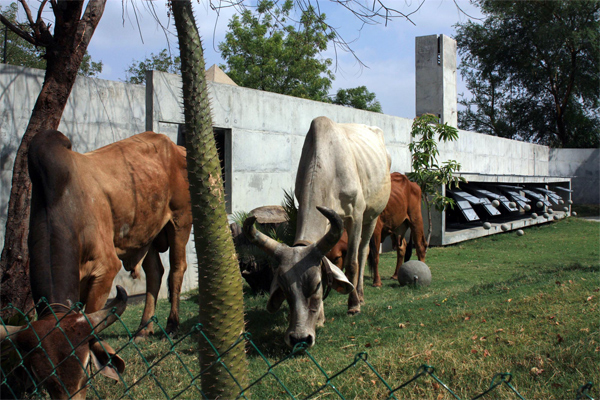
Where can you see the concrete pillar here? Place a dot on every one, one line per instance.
(435, 62)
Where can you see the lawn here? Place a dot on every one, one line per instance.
(503, 303)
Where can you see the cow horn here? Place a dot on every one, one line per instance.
(102, 319)
(334, 234)
(258, 238)
(7, 330)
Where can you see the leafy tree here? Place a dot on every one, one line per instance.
(427, 172)
(65, 45)
(20, 52)
(532, 68)
(163, 61)
(358, 97)
(264, 53)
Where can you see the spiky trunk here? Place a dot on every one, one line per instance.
(219, 279)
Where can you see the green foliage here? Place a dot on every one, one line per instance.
(163, 61)
(20, 52)
(358, 97)
(532, 68)
(262, 51)
(427, 172)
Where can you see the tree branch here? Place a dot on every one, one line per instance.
(17, 30)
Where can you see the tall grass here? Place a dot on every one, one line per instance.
(526, 305)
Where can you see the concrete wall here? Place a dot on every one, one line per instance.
(583, 166)
(265, 133)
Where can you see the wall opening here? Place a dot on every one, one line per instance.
(223, 142)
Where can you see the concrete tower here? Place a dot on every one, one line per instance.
(435, 62)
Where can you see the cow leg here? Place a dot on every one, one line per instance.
(401, 248)
(154, 272)
(363, 252)
(94, 290)
(417, 232)
(373, 256)
(351, 265)
(178, 240)
(401, 245)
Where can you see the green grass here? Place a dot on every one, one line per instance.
(525, 305)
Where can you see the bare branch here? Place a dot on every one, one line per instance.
(17, 30)
(28, 13)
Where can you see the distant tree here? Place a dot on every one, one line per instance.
(15, 50)
(358, 97)
(532, 68)
(262, 52)
(163, 61)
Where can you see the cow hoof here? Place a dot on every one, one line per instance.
(377, 284)
(394, 277)
(139, 339)
(354, 311)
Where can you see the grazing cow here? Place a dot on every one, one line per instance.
(126, 202)
(57, 348)
(403, 211)
(343, 173)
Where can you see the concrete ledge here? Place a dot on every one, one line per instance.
(476, 230)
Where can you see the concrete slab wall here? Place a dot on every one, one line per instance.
(583, 166)
(266, 133)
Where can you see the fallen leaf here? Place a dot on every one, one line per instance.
(368, 345)
(535, 371)
(552, 317)
(509, 300)
(373, 381)
(486, 353)
(558, 283)
(474, 337)
(499, 330)
(440, 396)
(402, 326)
(590, 298)
(435, 385)
(597, 290)
(483, 338)
(483, 320)
(585, 330)
(389, 307)
(560, 338)
(467, 318)
(474, 351)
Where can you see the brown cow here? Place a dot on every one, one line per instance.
(403, 211)
(126, 202)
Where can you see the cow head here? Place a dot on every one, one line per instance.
(303, 277)
(60, 361)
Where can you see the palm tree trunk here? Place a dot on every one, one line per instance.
(219, 279)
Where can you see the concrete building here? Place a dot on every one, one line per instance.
(260, 135)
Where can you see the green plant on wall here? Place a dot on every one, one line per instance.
(428, 173)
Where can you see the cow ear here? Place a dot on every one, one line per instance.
(339, 283)
(276, 298)
(101, 353)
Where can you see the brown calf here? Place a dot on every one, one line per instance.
(403, 211)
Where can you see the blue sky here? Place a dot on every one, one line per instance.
(128, 31)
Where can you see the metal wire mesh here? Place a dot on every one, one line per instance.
(163, 369)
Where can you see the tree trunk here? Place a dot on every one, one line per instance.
(219, 279)
(64, 55)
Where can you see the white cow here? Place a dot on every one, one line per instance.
(344, 172)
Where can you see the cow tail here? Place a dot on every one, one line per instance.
(409, 249)
(371, 258)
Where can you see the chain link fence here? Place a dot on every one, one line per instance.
(169, 369)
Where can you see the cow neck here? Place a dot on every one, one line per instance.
(56, 309)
